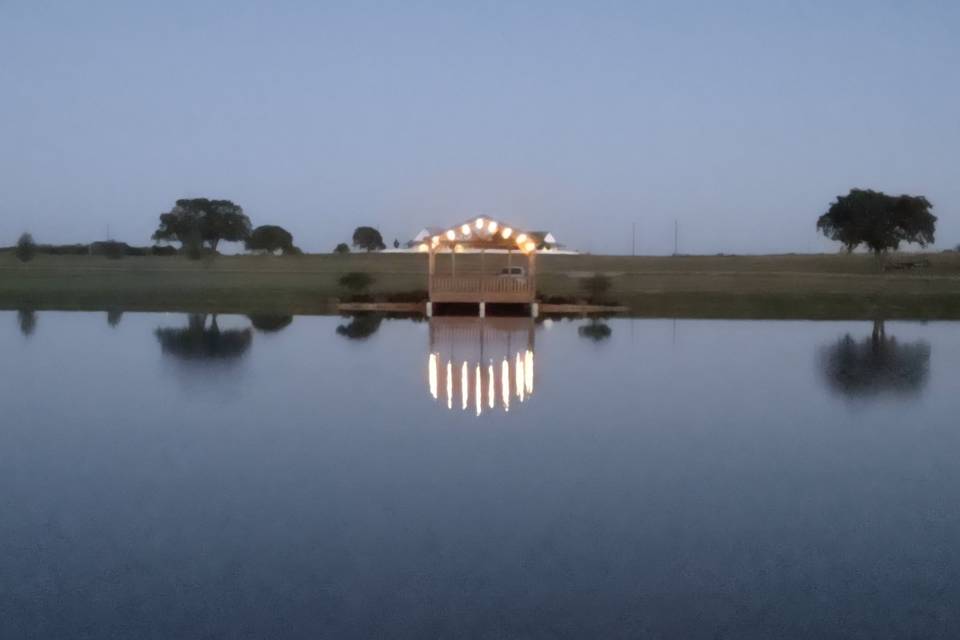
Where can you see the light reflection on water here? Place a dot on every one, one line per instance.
(167, 475)
(473, 342)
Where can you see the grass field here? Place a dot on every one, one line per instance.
(782, 286)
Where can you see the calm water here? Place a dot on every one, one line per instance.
(167, 477)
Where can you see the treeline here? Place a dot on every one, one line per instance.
(27, 249)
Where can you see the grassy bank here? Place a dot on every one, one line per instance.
(788, 286)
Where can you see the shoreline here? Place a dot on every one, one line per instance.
(815, 287)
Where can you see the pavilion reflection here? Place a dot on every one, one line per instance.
(481, 364)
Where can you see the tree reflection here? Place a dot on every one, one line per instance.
(269, 323)
(596, 330)
(198, 341)
(27, 318)
(876, 365)
(113, 317)
(361, 326)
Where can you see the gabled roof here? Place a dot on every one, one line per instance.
(482, 232)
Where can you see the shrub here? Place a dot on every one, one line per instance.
(109, 248)
(65, 249)
(356, 281)
(596, 287)
(26, 248)
(161, 250)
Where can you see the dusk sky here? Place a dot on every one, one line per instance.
(741, 120)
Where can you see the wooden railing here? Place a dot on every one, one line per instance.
(482, 288)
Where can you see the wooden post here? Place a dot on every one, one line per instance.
(483, 275)
(432, 266)
(532, 274)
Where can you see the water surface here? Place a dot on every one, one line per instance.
(195, 477)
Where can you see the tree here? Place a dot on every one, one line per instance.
(271, 238)
(368, 238)
(879, 221)
(342, 248)
(396, 243)
(26, 248)
(198, 221)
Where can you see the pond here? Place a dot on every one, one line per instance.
(175, 476)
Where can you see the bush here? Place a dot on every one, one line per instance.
(26, 248)
(596, 287)
(161, 250)
(356, 281)
(109, 248)
(65, 249)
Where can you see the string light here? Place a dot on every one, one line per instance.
(451, 235)
(506, 233)
(479, 223)
(465, 229)
(423, 248)
(492, 227)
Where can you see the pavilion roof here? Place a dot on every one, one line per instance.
(482, 232)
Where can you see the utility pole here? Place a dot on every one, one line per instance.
(676, 236)
(633, 238)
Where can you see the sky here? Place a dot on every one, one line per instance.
(738, 121)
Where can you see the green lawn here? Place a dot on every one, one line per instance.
(787, 286)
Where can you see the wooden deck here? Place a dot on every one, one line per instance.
(495, 289)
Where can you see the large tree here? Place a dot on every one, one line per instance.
(368, 238)
(271, 238)
(201, 221)
(878, 221)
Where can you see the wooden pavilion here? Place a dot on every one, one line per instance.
(479, 284)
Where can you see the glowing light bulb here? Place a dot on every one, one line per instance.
(451, 235)
(506, 233)
(530, 246)
(465, 229)
(435, 240)
(492, 227)
(458, 248)
(479, 223)
(521, 239)
(423, 248)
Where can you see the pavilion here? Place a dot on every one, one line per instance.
(482, 278)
